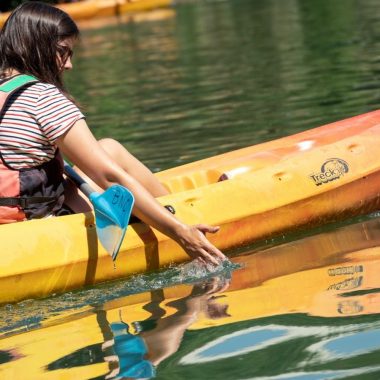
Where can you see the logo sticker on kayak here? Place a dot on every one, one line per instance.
(331, 169)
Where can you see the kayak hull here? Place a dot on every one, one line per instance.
(90, 9)
(297, 182)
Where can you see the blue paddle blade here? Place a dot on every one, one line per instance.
(112, 212)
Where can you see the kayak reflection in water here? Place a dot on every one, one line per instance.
(11, 355)
(38, 40)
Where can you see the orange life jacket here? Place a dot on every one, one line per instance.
(31, 192)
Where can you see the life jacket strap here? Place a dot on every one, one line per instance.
(30, 206)
(16, 82)
(24, 202)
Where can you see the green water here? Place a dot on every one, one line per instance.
(222, 75)
(208, 78)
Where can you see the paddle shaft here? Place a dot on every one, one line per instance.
(78, 180)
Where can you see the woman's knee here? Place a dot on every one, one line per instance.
(114, 149)
(110, 145)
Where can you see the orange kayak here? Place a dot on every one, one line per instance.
(88, 9)
(296, 182)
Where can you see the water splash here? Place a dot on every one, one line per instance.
(29, 314)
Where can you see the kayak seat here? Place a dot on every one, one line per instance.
(192, 180)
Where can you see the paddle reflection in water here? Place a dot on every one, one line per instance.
(308, 308)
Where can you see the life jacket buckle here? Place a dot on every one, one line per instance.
(23, 203)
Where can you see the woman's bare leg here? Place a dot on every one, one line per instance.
(133, 167)
(79, 203)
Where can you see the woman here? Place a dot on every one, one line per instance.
(40, 120)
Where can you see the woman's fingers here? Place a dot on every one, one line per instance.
(200, 260)
(211, 249)
(208, 258)
(196, 244)
(206, 228)
(224, 286)
(213, 286)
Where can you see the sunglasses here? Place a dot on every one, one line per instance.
(65, 52)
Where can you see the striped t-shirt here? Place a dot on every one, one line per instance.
(33, 120)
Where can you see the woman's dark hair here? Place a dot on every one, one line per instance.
(30, 38)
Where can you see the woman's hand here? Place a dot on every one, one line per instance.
(193, 240)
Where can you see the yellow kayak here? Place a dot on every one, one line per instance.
(88, 9)
(296, 182)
